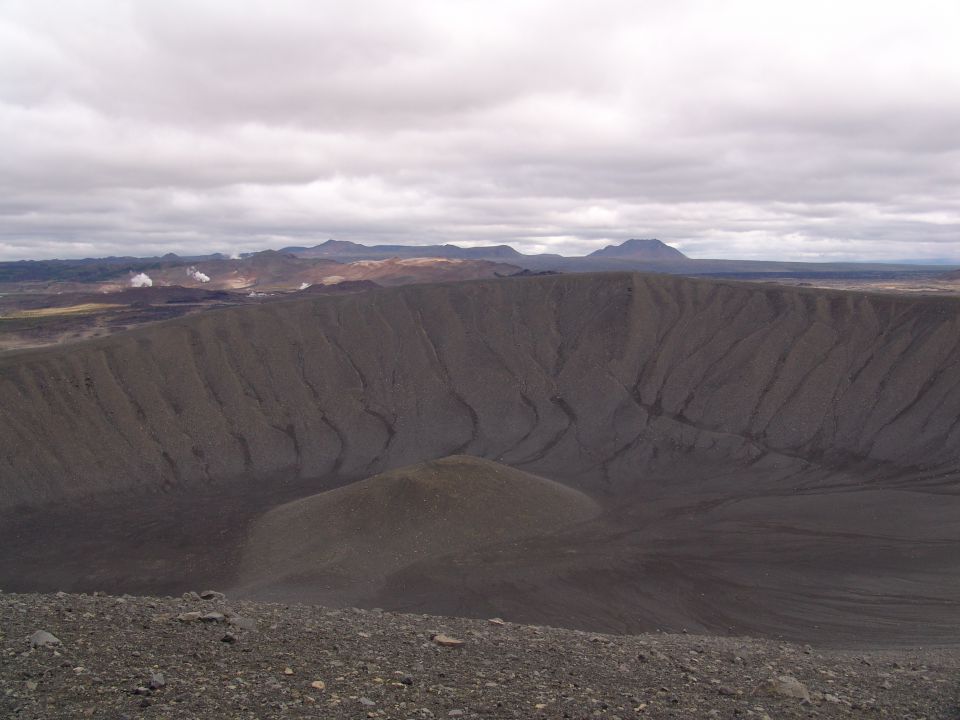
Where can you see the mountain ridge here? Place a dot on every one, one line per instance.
(651, 250)
(632, 255)
(649, 255)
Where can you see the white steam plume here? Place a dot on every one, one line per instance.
(197, 275)
(141, 280)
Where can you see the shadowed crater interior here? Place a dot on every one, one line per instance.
(645, 452)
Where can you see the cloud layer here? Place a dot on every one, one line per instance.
(744, 129)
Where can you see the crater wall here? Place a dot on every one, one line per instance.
(596, 380)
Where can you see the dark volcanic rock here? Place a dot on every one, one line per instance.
(243, 623)
(514, 671)
(534, 273)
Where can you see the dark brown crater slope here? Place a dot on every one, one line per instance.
(768, 460)
(349, 540)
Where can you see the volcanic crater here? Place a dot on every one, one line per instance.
(615, 452)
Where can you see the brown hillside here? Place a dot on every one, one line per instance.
(360, 534)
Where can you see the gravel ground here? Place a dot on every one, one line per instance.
(126, 657)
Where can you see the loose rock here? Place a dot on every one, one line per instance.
(785, 686)
(41, 638)
(511, 671)
(244, 623)
(446, 641)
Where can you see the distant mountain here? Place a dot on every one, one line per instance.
(644, 251)
(648, 250)
(329, 249)
(649, 255)
(293, 267)
(346, 250)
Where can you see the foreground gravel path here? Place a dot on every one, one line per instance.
(193, 658)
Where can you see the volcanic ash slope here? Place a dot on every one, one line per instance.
(774, 461)
(342, 544)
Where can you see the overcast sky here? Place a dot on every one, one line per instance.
(770, 129)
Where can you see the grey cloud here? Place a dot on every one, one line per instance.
(732, 129)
